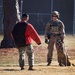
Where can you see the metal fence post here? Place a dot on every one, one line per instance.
(51, 7)
(74, 19)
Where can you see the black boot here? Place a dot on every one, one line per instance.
(60, 64)
(30, 68)
(48, 64)
(22, 68)
(49, 61)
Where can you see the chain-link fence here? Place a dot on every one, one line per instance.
(39, 20)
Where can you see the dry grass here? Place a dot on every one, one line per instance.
(9, 57)
(70, 41)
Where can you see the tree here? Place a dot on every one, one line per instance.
(11, 16)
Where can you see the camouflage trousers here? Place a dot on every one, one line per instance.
(61, 53)
(29, 51)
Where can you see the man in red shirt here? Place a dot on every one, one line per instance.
(23, 33)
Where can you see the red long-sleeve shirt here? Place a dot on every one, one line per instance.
(23, 33)
(31, 34)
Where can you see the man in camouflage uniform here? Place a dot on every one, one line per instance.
(54, 34)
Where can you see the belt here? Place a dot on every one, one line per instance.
(55, 34)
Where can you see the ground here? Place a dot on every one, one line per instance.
(39, 70)
(9, 61)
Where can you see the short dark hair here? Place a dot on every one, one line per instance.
(25, 15)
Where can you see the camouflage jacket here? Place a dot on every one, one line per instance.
(55, 27)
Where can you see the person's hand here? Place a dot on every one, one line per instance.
(46, 41)
(39, 43)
